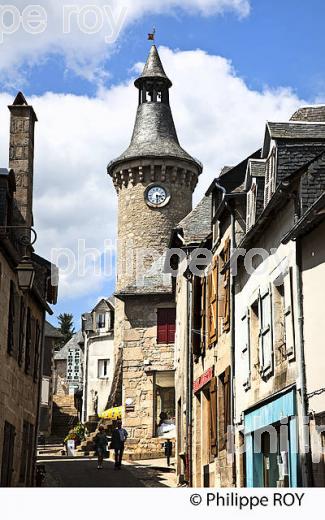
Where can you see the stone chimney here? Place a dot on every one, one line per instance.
(21, 154)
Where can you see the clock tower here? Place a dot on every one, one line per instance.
(154, 180)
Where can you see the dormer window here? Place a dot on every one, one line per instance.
(270, 176)
(100, 320)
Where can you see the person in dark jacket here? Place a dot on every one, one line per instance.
(119, 437)
(101, 442)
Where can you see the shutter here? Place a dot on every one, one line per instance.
(266, 332)
(227, 398)
(226, 321)
(246, 355)
(7, 455)
(213, 416)
(28, 342)
(196, 315)
(15, 352)
(22, 331)
(37, 351)
(288, 315)
(11, 320)
(171, 325)
(162, 327)
(203, 313)
(213, 298)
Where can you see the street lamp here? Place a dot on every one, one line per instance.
(25, 269)
(26, 273)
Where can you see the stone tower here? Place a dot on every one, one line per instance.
(154, 180)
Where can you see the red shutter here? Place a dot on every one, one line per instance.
(162, 329)
(171, 323)
(166, 325)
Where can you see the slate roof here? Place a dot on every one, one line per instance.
(153, 68)
(51, 332)
(313, 216)
(309, 113)
(154, 133)
(233, 178)
(74, 342)
(257, 167)
(196, 226)
(154, 281)
(296, 130)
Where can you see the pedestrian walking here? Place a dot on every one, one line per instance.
(101, 442)
(168, 445)
(119, 437)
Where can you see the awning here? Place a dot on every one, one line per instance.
(112, 413)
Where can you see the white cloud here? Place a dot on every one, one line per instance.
(218, 118)
(78, 30)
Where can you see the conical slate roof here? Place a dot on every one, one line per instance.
(153, 68)
(154, 134)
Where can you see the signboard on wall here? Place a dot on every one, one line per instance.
(201, 381)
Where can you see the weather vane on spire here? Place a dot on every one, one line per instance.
(151, 36)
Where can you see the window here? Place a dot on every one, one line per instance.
(164, 402)
(166, 325)
(37, 351)
(224, 406)
(103, 365)
(100, 320)
(266, 346)
(28, 342)
(225, 289)
(7, 455)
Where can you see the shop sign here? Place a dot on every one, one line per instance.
(201, 381)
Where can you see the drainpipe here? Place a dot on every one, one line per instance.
(85, 378)
(38, 412)
(304, 429)
(232, 335)
(189, 414)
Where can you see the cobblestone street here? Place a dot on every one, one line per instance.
(64, 471)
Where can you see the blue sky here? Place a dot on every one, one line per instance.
(261, 64)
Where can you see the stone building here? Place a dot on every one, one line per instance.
(99, 358)
(154, 180)
(27, 287)
(68, 366)
(51, 335)
(248, 350)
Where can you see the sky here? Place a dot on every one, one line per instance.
(234, 65)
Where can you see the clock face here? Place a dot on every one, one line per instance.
(157, 195)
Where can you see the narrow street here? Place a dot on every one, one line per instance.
(62, 471)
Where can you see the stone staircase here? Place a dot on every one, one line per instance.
(65, 417)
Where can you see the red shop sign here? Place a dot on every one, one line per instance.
(201, 381)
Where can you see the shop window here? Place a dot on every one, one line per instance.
(7, 455)
(166, 325)
(103, 367)
(164, 403)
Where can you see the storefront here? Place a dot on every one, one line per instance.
(271, 443)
